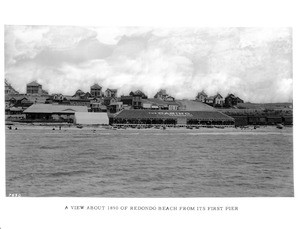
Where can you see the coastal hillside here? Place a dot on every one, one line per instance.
(270, 106)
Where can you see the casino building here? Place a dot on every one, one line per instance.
(171, 118)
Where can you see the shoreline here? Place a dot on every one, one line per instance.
(64, 127)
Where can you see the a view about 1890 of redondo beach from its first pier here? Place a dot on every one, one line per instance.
(148, 112)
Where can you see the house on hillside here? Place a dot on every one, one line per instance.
(127, 100)
(115, 107)
(231, 100)
(201, 96)
(78, 93)
(210, 100)
(159, 104)
(111, 92)
(35, 88)
(57, 99)
(23, 102)
(109, 100)
(97, 106)
(96, 90)
(169, 98)
(138, 93)
(161, 94)
(218, 100)
(238, 100)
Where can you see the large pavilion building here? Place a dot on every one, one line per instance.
(171, 118)
(52, 113)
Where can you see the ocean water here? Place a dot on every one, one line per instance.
(149, 163)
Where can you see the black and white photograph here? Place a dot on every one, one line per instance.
(148, 112)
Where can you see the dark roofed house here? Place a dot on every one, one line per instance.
(238, 100)
(109, 100)
(34, 88)
(169, 98)
(96, 90)
(86, 95)
(111, 92)
(210, 100)
(138, 93)
(23, 102)
(218, 100)
(78, 93)
(159, 104)
(231, 100)
(201, 96)
(161, 94)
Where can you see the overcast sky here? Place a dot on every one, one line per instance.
(253, 63)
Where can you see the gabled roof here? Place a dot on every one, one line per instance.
(33, 83)
(96, 86)
(137, 93)
(162, 92)
(109, 98)
(202, 93)
(114, 90)
(170, 97)
(50, 108)
(230, 95)
(79, 91)
(218, 95)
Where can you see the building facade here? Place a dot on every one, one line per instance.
(34, 88)
(201, 97)
(161, 94)
(111, 92)
(96, 90)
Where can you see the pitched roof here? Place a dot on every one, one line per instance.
(230, 95)
(96, 86)
(144, 114)
(218, 94)
(79, 91)
(202, 93)
(33, 83)
(50, 108)
(111, 89)
(161, 92)
(32, 98)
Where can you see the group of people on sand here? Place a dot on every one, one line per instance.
(10, 128)
(58, 128)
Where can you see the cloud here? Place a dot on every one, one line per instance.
(254, 63)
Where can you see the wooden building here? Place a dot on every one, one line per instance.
(96, 90)
(35, 88)
(52, 113)
(171, 118)
(201, 96)
(111, 92)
